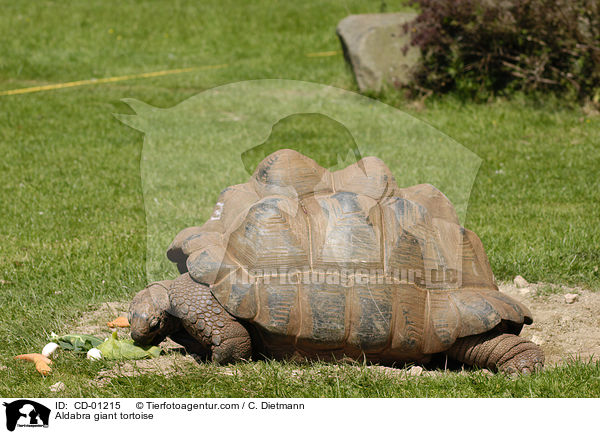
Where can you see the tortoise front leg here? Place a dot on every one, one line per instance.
(191, 345)
(223, 337)
(498, 351)
(232, 344)
(219, 333)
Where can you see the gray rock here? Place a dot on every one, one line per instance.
(415, 371)
(373, 45)
(520, 282)
(57, 387)
(538, 340)
(571, 298)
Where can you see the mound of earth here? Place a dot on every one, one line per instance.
(565, 331)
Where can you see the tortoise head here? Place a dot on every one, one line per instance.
(148, 314)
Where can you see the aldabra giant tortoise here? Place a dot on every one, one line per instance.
(304, 263)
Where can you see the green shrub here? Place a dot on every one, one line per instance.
(484, 47)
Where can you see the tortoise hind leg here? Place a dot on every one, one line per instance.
(494, 350)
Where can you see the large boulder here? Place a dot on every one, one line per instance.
(374, 45)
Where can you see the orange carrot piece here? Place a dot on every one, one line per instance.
(42, 367)
(34, 357)
(119, 322)
(42, 363)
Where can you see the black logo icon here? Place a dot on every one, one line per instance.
(26, 413)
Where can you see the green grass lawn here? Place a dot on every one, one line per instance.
(73, 225)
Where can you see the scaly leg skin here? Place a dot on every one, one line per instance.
(504, 352)
(207, 322)
(191, 345)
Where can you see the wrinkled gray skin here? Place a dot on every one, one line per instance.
(187, 312)
(148, 316)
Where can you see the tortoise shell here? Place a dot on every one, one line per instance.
(345, 261)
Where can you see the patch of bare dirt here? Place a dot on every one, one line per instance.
(564, 330)
(94, 322)
(168, 365)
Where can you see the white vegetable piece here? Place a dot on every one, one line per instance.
(50, 350)
(94, 354)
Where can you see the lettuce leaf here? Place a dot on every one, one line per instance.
(76, 342)
(115, 349)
